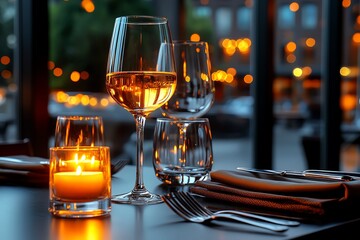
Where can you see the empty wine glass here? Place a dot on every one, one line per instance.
(194, 94)
(141, 78)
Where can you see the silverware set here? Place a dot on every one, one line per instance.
(187, 207)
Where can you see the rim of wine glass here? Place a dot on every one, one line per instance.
(80, 117)
(189, 42)
(196, 120)
(143, 20)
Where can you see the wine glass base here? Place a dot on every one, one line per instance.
(145, 198)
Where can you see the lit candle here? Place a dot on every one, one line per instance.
(79, 185)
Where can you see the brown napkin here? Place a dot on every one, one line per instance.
(287, 196)
(24, 170)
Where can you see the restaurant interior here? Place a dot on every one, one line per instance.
(285, 73)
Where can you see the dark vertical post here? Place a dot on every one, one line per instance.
(31, 72)
(262, 70)
(331, 83)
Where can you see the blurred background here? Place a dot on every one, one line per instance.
(53, 59)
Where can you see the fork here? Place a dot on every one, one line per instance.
(117, 165)
(189, 197)
(195, 212)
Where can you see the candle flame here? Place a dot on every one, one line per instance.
(76, 158)
(78, 170)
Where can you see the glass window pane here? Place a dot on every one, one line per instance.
(8, 86)
(286, 18)
(309, 15)
(223, 20)
(243, 18)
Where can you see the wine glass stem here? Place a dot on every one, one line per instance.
(140, 125)
(183, 139)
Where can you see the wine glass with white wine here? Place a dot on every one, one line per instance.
(141, 78)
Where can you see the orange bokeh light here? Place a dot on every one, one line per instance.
(51, 65)
(57, 72)
(310, 42)
(75, 76)
(290, 47)
(346, 3)
(356, 37)
(195, 37)
(294, 6)
(88, 6)
(348, 102)
(5, 60)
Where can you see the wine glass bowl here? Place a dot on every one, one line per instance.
(195, 90)
(141, 78)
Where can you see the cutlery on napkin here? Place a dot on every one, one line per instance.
(24, 170)
(282, 195)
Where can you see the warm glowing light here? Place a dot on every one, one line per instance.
(348, 102)
(243, 46)
(307, 70)
(88, 6)
(6, 74)
(84, 75)
(345, 71)
(358, 20)
(195, 37)
(346, 3)
(85, 100)
(5, 60)
(248, 79)
(75, 76)
(294, 6)
(290, 47)
(51, 65)
(57, 72)
(231, 71)
(93, 101)
(291, 58)
(104, 102)
(297, 72)
(310, 42)
(356, 37)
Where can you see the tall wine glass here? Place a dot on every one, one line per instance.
(141, 78)
(195, 89)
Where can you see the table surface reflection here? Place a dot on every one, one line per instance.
(24, 216)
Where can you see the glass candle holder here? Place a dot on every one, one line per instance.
(80, 181)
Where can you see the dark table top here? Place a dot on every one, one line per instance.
(24, 216)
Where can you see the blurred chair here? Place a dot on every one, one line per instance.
(21, 147)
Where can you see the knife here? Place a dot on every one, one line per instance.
(354, 174)
(24, 163)
(302, 174)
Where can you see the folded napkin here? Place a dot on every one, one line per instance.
(301, 198)
(24, 170)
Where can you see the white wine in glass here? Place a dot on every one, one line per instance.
(141, 78)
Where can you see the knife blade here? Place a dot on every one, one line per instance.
(301, 174)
